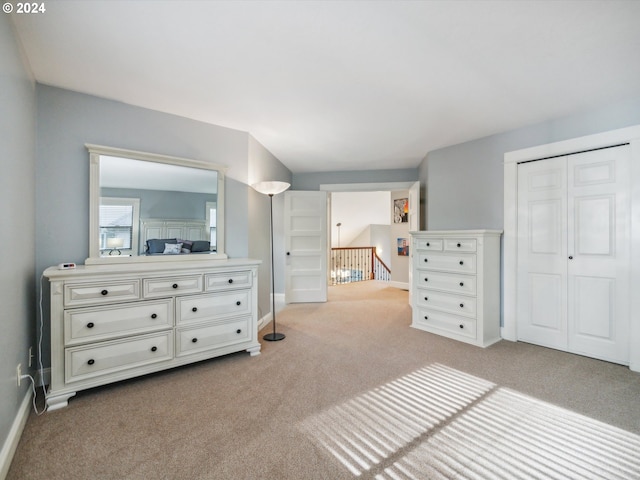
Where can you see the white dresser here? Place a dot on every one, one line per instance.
(455, 286)
(113, 322)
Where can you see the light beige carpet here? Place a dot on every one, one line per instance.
(352, 392)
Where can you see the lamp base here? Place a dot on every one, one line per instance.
(273, 337)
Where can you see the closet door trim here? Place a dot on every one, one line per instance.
(630, 135)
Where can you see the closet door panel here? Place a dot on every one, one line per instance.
(542, 264)
(599, 257)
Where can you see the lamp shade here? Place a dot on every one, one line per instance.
(271, 187)
(115, 242)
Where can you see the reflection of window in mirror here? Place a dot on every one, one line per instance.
(211, 223)
(119, 219)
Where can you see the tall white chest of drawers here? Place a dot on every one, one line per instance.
(113, 322)
(455, 286)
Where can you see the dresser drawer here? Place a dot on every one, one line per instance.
(460, 245)
(434, 244)
(213, 306)
(100, 293)
(162, 287)
(461, 263)
(92, 324)
(456, 304)
(198, 338)
(436, 321)
(226, 281)
(448, 282)
(110, 357)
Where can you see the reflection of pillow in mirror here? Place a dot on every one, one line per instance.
(200, 246)
(172, 248)
(156, 245)
(186, 245)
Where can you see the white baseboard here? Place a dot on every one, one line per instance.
(400, 285)
(11, 443)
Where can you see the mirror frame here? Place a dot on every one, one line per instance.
(95, 152)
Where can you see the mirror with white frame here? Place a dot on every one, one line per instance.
(147, 207)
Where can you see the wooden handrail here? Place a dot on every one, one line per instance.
(382, 262)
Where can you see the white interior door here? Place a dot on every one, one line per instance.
(573, 253)
(598, 248)
(542, 253)
(306, 246)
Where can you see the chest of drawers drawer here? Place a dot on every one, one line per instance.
(460, 245)
(447, 282)
(431, 244)
(90, 324)
(196, 308)
(224, 281)
(162, 287)
(461, 263)
(456, 304)
(445, 322)
(199, 338)
(100, 293)
(109, 357)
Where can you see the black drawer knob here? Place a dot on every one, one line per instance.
(90, 325)
(153, 315)
(91, 361)
(462, 284)
(462, 305)
(194, 340)
(153, 349)
(426, 260)
(570, 257)
(238, 303)
(426, 279)
(238, 331)
(459, 245)
(426, 298)
(231, 280)
(461, 326)
(175, 285)
(194, 309)
(104, 292)
(426, 317)
(461, 262)
(428, 244)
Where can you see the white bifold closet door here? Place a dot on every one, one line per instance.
(573, 253)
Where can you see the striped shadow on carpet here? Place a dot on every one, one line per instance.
(440, 423)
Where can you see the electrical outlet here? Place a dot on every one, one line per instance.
(19, 373)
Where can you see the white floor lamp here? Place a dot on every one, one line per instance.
(271, 189)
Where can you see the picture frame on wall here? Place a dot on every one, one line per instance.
(401, 210)
(403, 247)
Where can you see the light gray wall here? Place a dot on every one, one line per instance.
(17, 224)
(312, 180)
(399, 264)
(464, 183)
(165, 203)
(264, 166)
(67, 120)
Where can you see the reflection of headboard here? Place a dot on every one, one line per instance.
(167, 228)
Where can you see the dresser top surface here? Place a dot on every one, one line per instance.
(206, 266)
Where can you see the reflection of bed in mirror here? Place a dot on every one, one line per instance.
(193, 235)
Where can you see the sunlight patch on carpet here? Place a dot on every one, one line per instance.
(440, 423)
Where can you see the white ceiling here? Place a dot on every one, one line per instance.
(344, 85)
